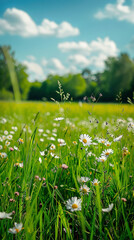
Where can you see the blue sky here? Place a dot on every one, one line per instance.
(59, 36)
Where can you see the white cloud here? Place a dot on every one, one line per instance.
(35, 71)
(82, 47)
(93, 55)
(79, 60)
(65, 29)
(54, 66)
(18, 22)
(118, 11)
(105, 46)
(31, 57)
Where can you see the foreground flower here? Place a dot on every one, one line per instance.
(110, 207)
(61, 142)
(73, 204)
(4, 215)
(124, 199)
(84, 189)
(64, 166)
(102, 159)
(85, 139)
(3, 155)
(95, 182)
(52, 147)
(18, 165)
(20, 140)
(83, 179)
(107, 152)
(17, 228)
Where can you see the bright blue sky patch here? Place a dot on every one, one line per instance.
(58, 37)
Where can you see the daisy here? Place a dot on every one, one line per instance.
(17, 228)
(107, 152)
(40, 130)
(54, 130)
(59, 119)
(74, 142)
(73, 204)
(117, 139)
(51, 138)
(4, 137)
(16, 148)
(44, 135)
(11, 132)
(42, 153)
(47, 131)
(111, 165)
(52, 147)
(1, 147)
(41, 140)
(15, 128)
(61, 142)
(20, 140)
(54, 134)
(40, 160)
(102, 158)
(9, 137)
(53, 155)
(3, 155)
(110, 207)
(101, 140)
(84, 189)
(6, 132)
(85, 139)
(95, 182)
(107, 144)
(4, 215)
(7, 143)
(18, 165)
(83, 179)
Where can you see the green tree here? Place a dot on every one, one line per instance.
(117, 76)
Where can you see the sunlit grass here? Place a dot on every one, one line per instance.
(44, 187)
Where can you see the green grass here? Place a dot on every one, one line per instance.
(40, 206)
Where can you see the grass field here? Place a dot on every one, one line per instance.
(67, 171)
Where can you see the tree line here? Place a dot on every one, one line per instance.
(116, 81)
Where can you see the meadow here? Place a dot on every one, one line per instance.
(67, 171)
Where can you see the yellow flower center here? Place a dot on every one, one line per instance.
(16, 164)
(107, 153)
(74, 206)
(102, 160)
(108, 144)
(74, 142)
(85, 140)
(95, 184)
(84, 190)
(21, 140)
(17, 230)
(102, 141)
